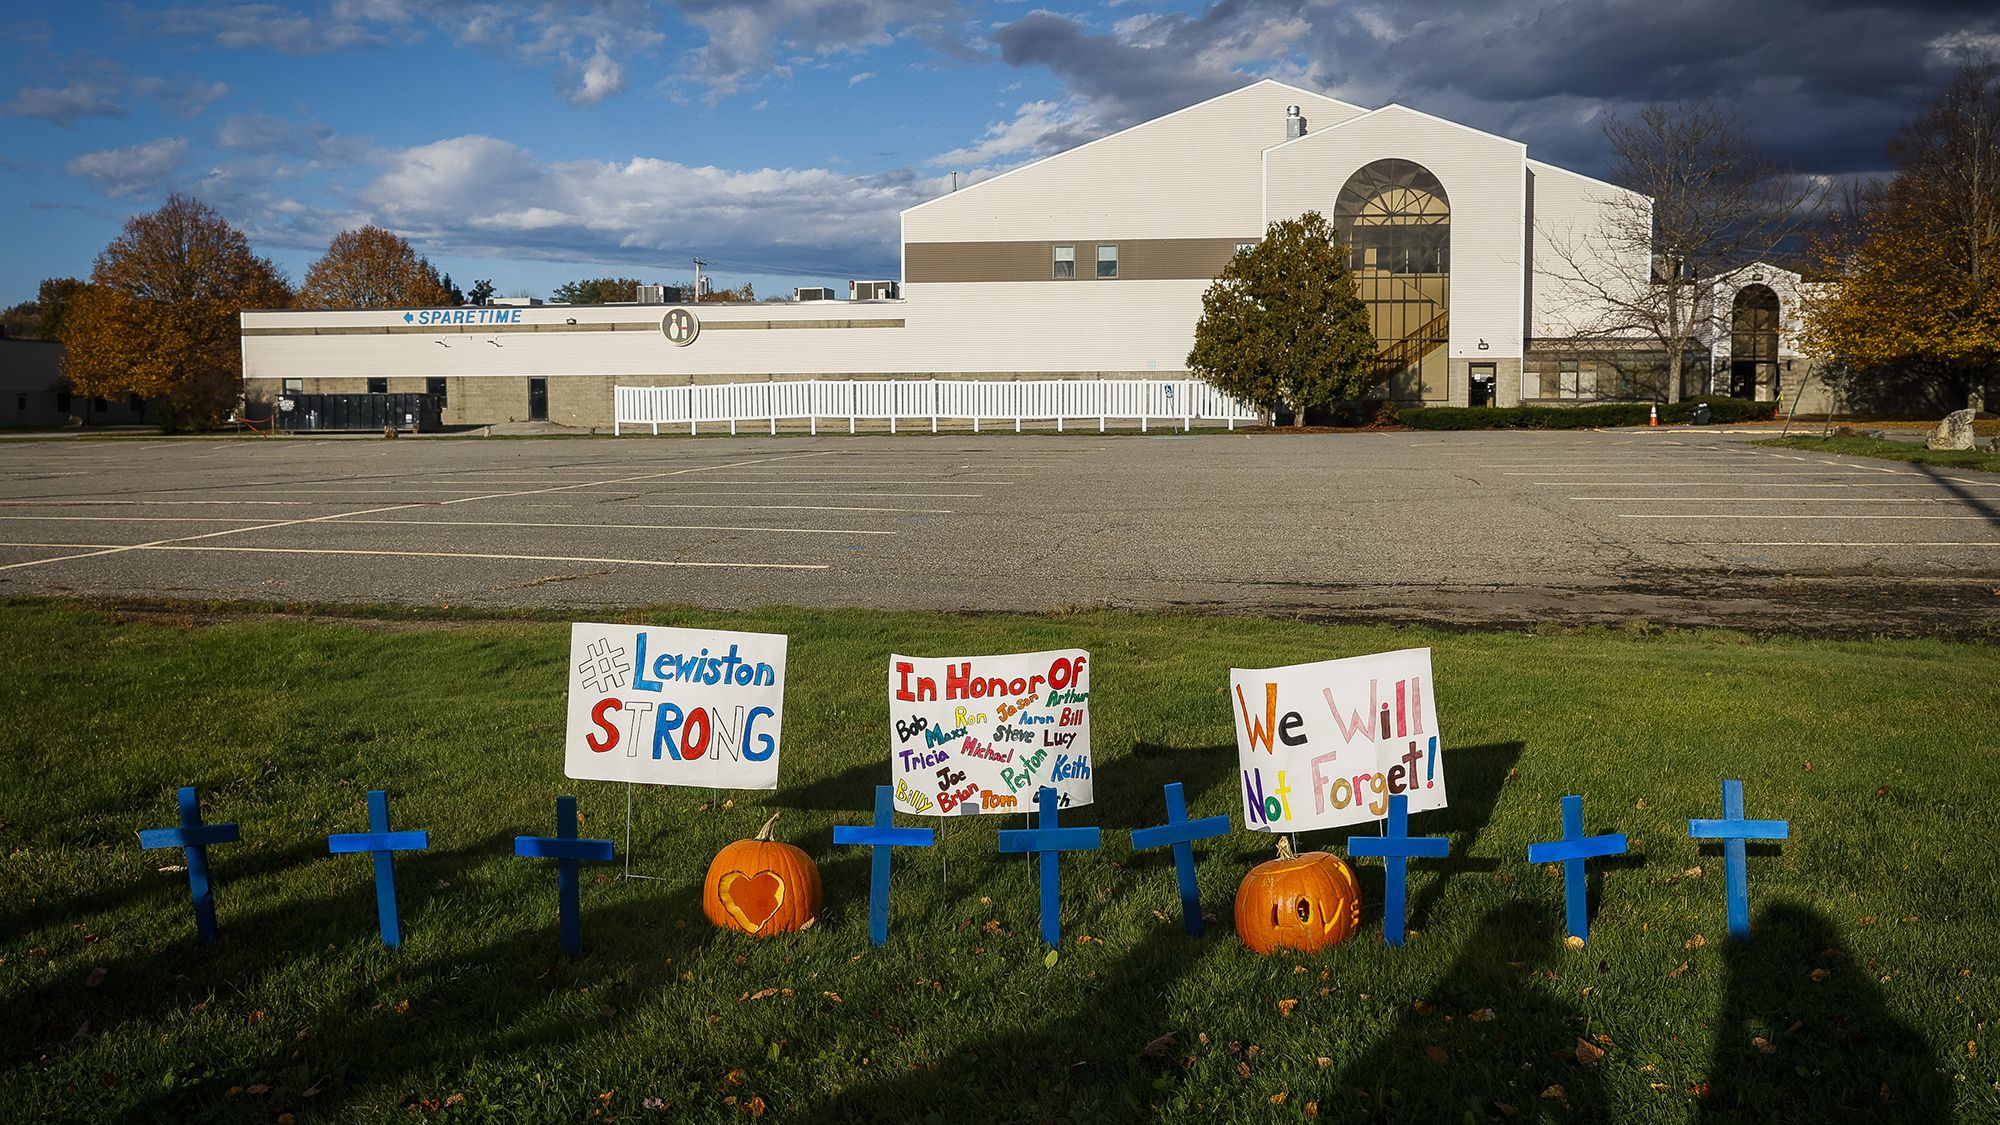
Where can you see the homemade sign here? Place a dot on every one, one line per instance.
(659, 706)
(1332, 743)
(1048, 842)
(384, 844)
(1733, 830)
(1571, 851)
(1180, 833)
(1397, 847)
(567, 851)
(985, 733)
(881, 838)
(195, 837)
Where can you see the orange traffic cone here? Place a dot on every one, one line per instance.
(1653, 419)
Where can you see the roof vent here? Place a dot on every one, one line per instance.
(1295, 125)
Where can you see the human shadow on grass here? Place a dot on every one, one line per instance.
(1792, 1048)
(1494, 1038)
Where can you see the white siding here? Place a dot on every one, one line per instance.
(1190, 174)
(1580, 250)
(1484, 178)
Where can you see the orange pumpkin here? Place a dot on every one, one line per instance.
(761, 886)
(1303, 902)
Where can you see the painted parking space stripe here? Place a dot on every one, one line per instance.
(1770, 499)
(1781, 516)
(119, 548)
(621, 526)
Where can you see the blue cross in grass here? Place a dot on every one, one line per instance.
(567, 850)
(881, 837)
(195, 837)
(1048, 842)
(1571, 851)
(385, 844)
(1397, 847)
(1180, 833)
(1733, 830)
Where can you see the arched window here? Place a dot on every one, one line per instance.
(1753, 343)
(1397, 222)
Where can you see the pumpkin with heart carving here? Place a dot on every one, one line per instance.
(1302, 902)
(761, 886)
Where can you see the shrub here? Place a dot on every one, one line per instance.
(1721, 410)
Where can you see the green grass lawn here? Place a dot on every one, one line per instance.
(1865, 994)
(1890, 450)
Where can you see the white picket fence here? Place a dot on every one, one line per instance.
(896, 401)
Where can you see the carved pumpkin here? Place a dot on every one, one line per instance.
(1302, 902)
(761, 886)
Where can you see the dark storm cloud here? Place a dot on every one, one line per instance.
(1823, 84)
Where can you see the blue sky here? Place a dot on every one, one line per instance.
(533, 142)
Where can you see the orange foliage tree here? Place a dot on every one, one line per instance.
(159, 317)
(1916, 292)
(372, 268)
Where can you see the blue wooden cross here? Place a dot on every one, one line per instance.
(195, 837)
(1571, 851)
(1397, 847)
(1733, 830)
(882, 836)
(385, 844)
(566, 850)
(1048, 842)
(1180, 833)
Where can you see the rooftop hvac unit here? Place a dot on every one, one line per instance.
(813, 293)
(872, 291)
(652, 295)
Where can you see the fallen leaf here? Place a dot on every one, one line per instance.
(286, 1119)
(1323, 1061)
(733, 1078)
(1818, 975)
(1312, 1109)
(833, 996)
(1678, 971)
(1555, 1093)
(1421, 1006)
(760, 994)
(730, 803)
(1693, 872)
(1279, 1098)
(1437, 1054)
(257, 1016)
(1658, 1086)
(1971, 1048)
(1251, 1051)
(755, 1105)
(1482, 1015)
(1867, 919)
(1158, 1047)
(1588, 1054)
(657, 1104)
(1698, 1090)
(992, 926)
(96, 977)
(1507, 1109)
(259, 1090)
(402, 1007)
(1763, 1045)
(1285, 1007)
(1572, 943)
(1202, 1037)
(1695, 942)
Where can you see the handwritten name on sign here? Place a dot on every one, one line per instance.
(1327, 744)
(661, 706)
(986, 733)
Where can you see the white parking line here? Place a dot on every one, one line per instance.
(1769, 499)
(610, 526)
(1923, 483)
(799, 508)
(1775, 516)
(117, 548)
(1986, 543)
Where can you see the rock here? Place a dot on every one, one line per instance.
(1955, 432)
(1993, 445)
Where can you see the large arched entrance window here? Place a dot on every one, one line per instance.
(1397, 222)
(1753, 342)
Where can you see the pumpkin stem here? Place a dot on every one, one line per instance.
(1285, 848)
(764, 833)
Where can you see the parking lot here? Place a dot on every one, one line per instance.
(1476, 528)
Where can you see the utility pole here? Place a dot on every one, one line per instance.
(698, 263)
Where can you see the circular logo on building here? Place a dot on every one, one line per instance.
(680, 327)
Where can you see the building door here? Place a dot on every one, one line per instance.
(1479, 386)
(538, 400)
(1753, 343)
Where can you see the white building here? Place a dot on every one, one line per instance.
(1088, 263)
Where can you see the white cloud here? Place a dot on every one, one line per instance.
(1037, 128)
(858, 79)
(601, 78)
(182, 96)
(260, 26)
(136, 168)
(68, 104)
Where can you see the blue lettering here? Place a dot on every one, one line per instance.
(766, 745)
(669, 721)
(639, 680)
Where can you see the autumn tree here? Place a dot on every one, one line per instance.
(41, 318)
(1283, 324)
(1703, 199)
(371, 268)
(598, 291)
(159, 317)
(1914, 299)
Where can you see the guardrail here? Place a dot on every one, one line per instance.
(1186, 401)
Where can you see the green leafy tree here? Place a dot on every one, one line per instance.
(598, 291)
(372, 268)
(455, 295)
(161, 315)
(481, 291)
(1283, 325)
(42, 318)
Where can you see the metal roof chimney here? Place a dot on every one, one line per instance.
(1295, 125)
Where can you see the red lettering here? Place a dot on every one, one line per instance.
(603, 724)
(691, 748)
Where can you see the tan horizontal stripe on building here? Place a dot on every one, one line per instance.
(495, 329)
(1139, 259)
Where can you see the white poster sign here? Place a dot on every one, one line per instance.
(1327, 744)
(662, 706)
(985, 734)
